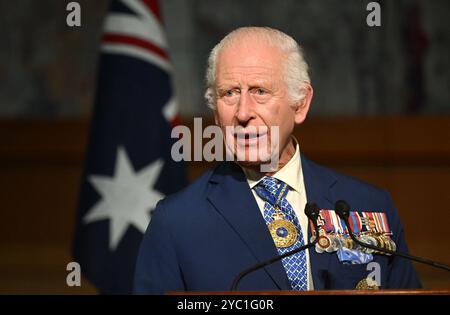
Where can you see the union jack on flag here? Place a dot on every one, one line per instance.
(128, 166)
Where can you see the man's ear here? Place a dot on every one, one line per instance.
(302, 106)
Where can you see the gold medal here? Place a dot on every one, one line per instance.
(348, 242)
(283, 232)
(387, 244)
(392, 244)
(323, 242)
(367, 284)
(380, 243)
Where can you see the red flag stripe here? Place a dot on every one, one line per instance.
(122, 39)
(175, 121)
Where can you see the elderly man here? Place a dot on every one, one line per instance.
(237, 215)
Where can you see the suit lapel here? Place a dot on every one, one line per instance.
(318, 185)
(234, 201)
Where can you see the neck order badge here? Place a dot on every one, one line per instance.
(285, 229)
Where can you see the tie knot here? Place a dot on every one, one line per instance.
(271, 189)
(271, 184)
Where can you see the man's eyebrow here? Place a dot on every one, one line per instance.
(260, 83)
(251, 84)
(226, 86)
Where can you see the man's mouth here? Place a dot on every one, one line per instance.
(249, 139)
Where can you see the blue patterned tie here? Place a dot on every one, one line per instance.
(295, 265)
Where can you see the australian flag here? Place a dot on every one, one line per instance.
(128, 168)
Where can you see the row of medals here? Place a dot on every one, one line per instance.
(332, 242)
(328, 242)
(285, 235)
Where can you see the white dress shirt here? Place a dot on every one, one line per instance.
(291, 174)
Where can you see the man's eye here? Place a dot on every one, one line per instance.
(260, 91)
(229, 93)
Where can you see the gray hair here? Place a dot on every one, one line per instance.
(295, 66)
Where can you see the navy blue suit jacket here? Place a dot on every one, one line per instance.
(200, 238)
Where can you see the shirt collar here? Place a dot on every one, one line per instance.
(290, 173)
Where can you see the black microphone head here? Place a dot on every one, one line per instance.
(312, 211)
(342, 209)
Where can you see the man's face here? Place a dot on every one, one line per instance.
(252, 95)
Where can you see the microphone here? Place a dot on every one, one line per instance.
(342, 209)
(312, 212)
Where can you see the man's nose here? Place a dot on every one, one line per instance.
(245, 108)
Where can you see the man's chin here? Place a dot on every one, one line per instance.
(264, 167)
(247, 162)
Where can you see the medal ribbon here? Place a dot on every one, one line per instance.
(273, 192)
(353, 221)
